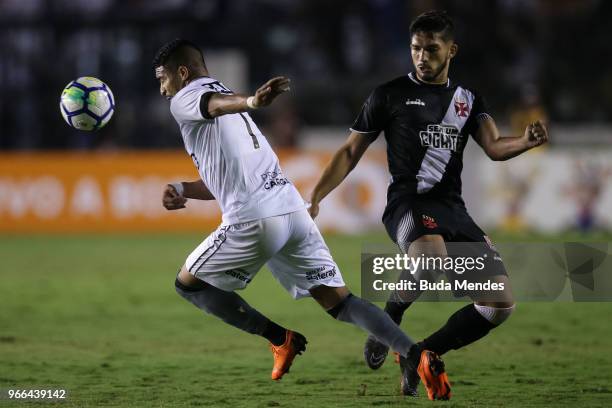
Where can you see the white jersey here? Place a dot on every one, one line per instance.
(233, 158)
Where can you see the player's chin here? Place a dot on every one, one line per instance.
(426, 74)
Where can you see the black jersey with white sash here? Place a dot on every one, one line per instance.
(426, 128)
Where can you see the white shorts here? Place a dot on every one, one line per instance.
(290, 244)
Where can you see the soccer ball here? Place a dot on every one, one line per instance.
(87, 103)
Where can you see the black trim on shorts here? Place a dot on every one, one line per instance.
(216, 243)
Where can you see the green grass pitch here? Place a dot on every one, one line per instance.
(98, 316)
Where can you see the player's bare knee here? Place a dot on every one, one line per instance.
(499, 299)
(430, 238)
(329, 297)
(186, 278)
(431, 245)
(186, 282)
(495, 312)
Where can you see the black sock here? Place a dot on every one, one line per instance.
(274, 333)
(396, 310)
(465, 326)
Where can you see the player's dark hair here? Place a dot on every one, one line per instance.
(178, 52)
(434, 21)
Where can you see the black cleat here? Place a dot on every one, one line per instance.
(410, 377)
(375, 352)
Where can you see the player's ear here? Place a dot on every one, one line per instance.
(183, 72)
(453, 50)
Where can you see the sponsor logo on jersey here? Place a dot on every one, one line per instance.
(417, 102)
(429, 222)
(461, 108)
(440, 137)
(321, 273)
(239, 274)
(274, 178)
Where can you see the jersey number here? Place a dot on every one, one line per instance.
(218, 87)
(248, 126)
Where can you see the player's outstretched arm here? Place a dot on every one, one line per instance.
(504, 148)
(220, 104)
(344, 160)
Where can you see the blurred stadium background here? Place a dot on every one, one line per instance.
(531, 59)
(81, 309)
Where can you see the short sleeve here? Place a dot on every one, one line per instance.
(481, 108)
(374, 114)
(480, 112)
(185, 106)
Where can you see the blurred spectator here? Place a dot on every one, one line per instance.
(515, 187)
(282, 124)
(528, 110)
(334, 51)
(590, 178)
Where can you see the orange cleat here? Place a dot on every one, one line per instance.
(396, 357)
(432, 373)
(284, 354)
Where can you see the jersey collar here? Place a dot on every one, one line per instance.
(192, 84)
(416, 80)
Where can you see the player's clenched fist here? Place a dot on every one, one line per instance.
(171, 199)
(536, 134)
(313, 210)
(270, 90)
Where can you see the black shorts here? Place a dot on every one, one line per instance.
(422, 215)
